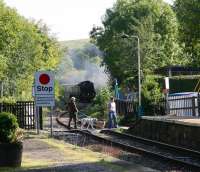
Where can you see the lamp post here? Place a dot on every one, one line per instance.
(139, 72)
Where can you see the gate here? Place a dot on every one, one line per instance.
(23, 110)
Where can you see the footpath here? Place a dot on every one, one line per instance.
(44, 154)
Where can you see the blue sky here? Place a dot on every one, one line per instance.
(67, 19)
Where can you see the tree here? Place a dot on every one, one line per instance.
(154, 22)
(188, 14)
(25, 47)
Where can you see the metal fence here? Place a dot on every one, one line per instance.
(179, 106)
(184, 106)
(125, 107)
(24, 111)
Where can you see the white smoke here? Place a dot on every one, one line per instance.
(84, 70)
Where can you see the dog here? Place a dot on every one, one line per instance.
(89, 121)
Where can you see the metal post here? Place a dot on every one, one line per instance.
(167, 104)
(139, 72)
(51, 121)
(193, 107)
(38, 120)
(36, 115)
(139, 79)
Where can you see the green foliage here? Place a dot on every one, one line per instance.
(154, 22)
(8, 127)
(151, 89)
(61, 101)
(151, 94)
(10, 100)
(25, 47)
(3, 66)
(188, 13)
(126, 120)
(156, 25)
(99, 108)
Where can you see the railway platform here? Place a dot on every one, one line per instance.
(183, 120)
(175, 130)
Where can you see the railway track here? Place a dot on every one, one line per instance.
(190, 159)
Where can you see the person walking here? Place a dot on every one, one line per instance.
(72, 109)
(112, 120)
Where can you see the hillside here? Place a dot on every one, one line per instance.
(75, 44)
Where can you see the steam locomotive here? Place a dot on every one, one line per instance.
(83, 91)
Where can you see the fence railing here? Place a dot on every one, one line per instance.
(179, 106)
(24, 112)
(187, 106)
(173, 105)
(125, 107)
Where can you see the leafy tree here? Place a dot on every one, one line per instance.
(188, 14)
(151, 94)
(154, 22)
(3, 66)
(25, 47)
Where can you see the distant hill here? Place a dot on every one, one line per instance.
(75, 44)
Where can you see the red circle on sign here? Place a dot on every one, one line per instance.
(44, 79)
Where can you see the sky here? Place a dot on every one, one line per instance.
(67, 19)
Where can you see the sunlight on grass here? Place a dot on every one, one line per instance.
(76, 153)
(67, 153)
(29, 163)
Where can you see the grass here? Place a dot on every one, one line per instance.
(77, 154)
(67, 153)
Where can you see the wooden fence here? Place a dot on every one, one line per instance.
(24, 112)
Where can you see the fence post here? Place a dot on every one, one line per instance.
(167, 106)
(41, 118)
(193, 106)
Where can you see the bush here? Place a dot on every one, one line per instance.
(151, 94)
(99, 108)
(127, 120)
(8, 127)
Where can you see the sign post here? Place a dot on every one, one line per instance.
(44, 92)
